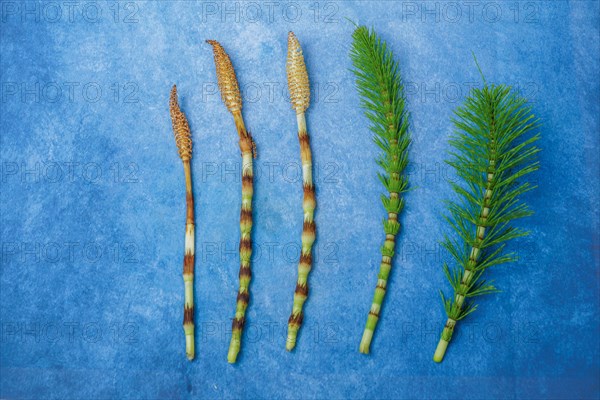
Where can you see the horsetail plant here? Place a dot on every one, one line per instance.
(183, 140)
(299, 89)
(493, 154)
(380, 87)
(230, 94)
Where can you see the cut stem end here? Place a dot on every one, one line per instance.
(189, 346)
(232, 354)
(290, 342)
(365, 342)
(440, 351)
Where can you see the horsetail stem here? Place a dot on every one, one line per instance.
(230, 94)
(183, 139)
(299, 89)
(468, 274)
(379, 84)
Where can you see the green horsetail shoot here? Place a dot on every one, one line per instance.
(493, 155)
(379, 84)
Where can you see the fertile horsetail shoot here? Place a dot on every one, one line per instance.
(299, 89)
(230, 94)
(183, 139)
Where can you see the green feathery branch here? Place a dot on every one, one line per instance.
(493, 154)
(379, 85)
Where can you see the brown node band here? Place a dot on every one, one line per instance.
(309, 227)
(296, 319)
(238, 324)
(245, 272)
(302, 289)
(188, 315)
(243, 297)
(246, 244)
(305, 258)
(188, 264)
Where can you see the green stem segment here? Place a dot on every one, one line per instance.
(308, 235)
(391, 229)
(248, 151)
(471, 265)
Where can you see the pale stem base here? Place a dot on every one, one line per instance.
(440, 351)
(189, 343)
(234, 349)
(290, 342)
(365, 342)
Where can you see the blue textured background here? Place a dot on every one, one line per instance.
(93, 205)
